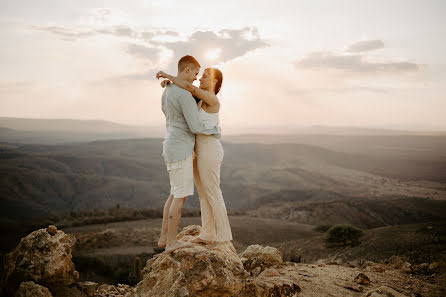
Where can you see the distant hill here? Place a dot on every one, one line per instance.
(386, 145)
(41, 179)
(321, 207)
(57, 131)
(284, 131)
(26, 124)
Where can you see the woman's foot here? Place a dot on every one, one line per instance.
(217, 244)
(177, 245)
(202, 241)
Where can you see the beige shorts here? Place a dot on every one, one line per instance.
(181, 176)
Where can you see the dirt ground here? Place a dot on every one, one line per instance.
(338, 281)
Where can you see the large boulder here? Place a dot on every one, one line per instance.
(397, 261)
(44, 256)
(218, 271)
(257, 258)
(31, 289)
(121, 290)
(273, 282)
(195, 271)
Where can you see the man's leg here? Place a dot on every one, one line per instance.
(163, 237)
(176, 209)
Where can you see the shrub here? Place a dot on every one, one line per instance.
(343, 234)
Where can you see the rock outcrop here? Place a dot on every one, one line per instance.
(31, 289)
(41, 266)
(218, 271)
(257, 258)
(121, 290)
(44, 256)
(277, 282)
(194, 271)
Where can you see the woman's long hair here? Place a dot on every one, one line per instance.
(216, 74)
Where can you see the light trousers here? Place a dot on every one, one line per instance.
(214, 218)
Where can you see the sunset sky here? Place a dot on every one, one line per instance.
(285, 63)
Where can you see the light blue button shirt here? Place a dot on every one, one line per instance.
(182, 123)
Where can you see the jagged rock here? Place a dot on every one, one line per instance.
(257, 256)
(273, 282)
(107, 289)
(195, 271)
(397, 261)
(73, 290)
(376, 267)
(31, 289)
(383, 291)
(426, 268)
(362, 279)
(217, 271)
(437, 267)
(122, 290)
(421, 269)
(189, 232)
(406, 267)
(87, 287)
(367, 264)
(355, 288)
(41, 257)
(52, 230)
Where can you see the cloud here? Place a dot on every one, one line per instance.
(366, 45)
(64, 32)
(233, 44)
(72, 34)
(143, 52)
(352, 63)
(227, 44)
(148, 75)
(119, 31)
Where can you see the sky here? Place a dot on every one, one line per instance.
(285, 63)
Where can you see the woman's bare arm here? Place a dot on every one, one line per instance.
(165, 83)
(208, 97)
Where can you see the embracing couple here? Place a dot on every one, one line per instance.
(192, 151)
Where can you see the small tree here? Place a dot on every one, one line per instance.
(343, 234)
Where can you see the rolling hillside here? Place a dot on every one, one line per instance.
(41, 179)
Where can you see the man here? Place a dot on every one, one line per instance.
(182, 123)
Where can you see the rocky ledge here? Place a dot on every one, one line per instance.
(41, 266)
(217, 271)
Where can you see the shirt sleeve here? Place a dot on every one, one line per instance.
(190, 112)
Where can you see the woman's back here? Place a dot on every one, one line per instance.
(211, 119)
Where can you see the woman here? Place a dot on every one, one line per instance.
(209, 151)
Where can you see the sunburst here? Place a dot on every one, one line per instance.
(213, 54)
